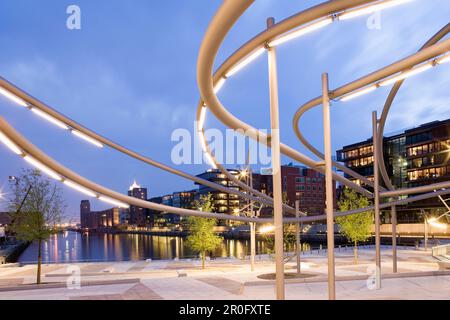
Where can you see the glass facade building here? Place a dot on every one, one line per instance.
(415, 157)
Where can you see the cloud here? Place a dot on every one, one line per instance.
(97, 93)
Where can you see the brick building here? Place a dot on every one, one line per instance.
(96, 220)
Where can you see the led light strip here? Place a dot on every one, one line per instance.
(114, 202)
(11, 145)
(87, 138)
(301, 31)
(370, 9)
(43, 168)
(12, 97)
(201, 137)
(52, 174)
(401, 76)
(219, 85)
(245, 62)
(348, 14)
(49, 118)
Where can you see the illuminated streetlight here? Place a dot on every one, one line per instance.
(266, 229)
(243, 174)
(434, 223)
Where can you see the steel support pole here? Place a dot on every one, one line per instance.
(297, 236)
(252, 227)
(376, 200)
(328, 186)
(276, 168)
(425, 225)
(394, 238)
(252, 245)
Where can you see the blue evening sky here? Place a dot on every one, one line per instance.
(130, 75)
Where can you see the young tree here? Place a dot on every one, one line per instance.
(202, 237)
(356, 227)
(37, 207)
(289, 238)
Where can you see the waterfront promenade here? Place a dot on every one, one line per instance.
(418, 278)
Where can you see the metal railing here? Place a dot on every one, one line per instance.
(441, 253)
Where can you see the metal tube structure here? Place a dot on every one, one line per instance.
(252, 225)
(102, 140)
(415, 190)
(252, 245)
(226, 17)
(377, 201)
(266, 199)
(297, 237)
(389, 101)
(371, 79)
(425, 230)
(394, 239)
(329, 192)
(26, 147)
(276, 170)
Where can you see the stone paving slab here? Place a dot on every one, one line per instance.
(231, 286)
(10, 282)
(139, 266)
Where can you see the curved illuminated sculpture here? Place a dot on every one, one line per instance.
(433, 53)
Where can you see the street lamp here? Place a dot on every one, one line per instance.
(434, 223)
(266, 229)
(16, 181)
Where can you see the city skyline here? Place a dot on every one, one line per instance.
(55, 71)
(239, 150)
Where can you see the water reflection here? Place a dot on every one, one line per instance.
(75, 247)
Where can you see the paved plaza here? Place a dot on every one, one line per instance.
(418, 278)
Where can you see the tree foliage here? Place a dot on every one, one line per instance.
(37, 206)
(289, 236)
(202, 237)
(356, 227)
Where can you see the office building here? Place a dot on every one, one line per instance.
(139, 217)
(414, 157)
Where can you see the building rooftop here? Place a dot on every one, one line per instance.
(398, 134)
(134, 186)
